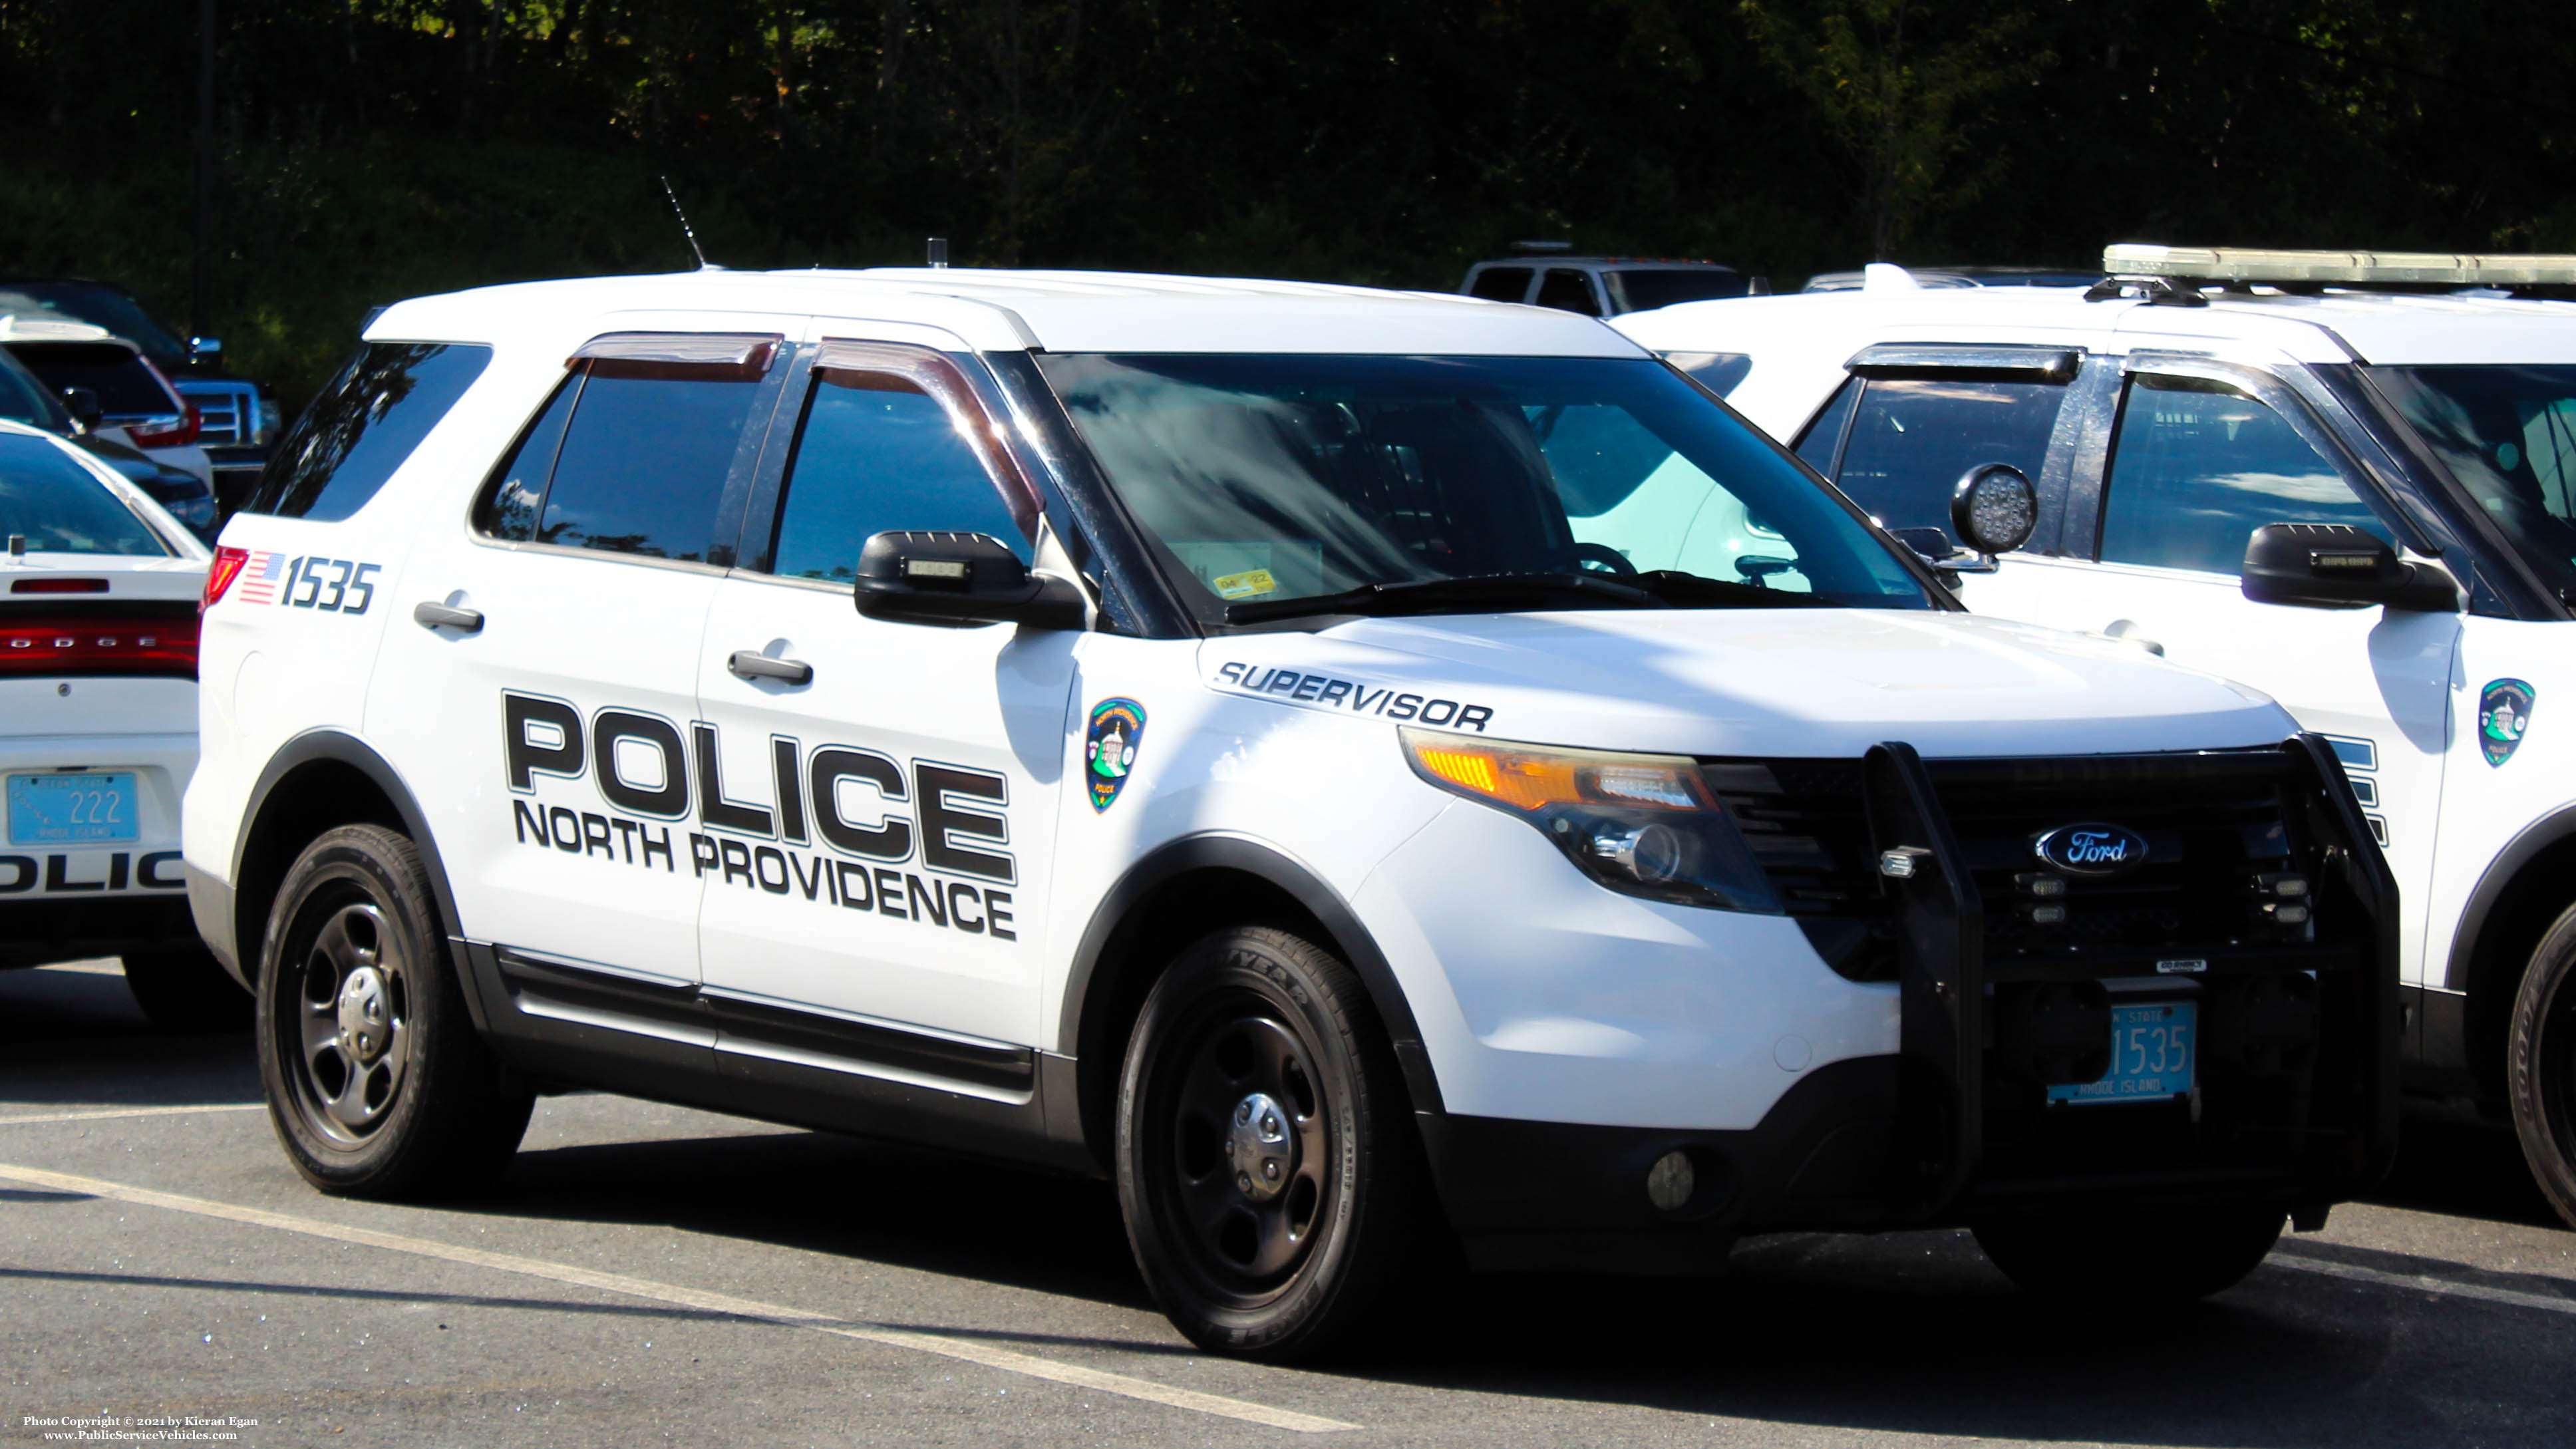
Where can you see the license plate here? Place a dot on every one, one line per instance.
(88, 808)
(2152, 1046)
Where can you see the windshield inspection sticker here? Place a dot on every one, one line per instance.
(1245, 585)
(1109, 749)
(2504, 713)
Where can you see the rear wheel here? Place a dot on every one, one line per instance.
(2163, 1257)
(376, 1081)
(1267, 1162)
(186, 990)
(2540, 1066)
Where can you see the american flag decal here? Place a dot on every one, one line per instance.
(259, 577)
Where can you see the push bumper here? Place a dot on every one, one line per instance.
(1952, 1130)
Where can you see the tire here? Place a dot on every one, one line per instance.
(2540, 1066)
(376, 1082)
(187, 991)
(2160, 1257)
(1258, 1050)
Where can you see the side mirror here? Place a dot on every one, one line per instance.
(84, 407)
(205, 349)
(959, 580)
(2335, 566)
(1994, 508)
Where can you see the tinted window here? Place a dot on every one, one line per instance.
(364, 424)
(124, 382)
(1502, 284)
(1913, 437)
(25, 399)
(2508, 433)
(1825, 434)
(638, 466)
(1568, 290)
(2198, 466)
(1664, 286)
(54, 502)
(877, 453)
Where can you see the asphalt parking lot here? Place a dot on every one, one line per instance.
(649, 1275)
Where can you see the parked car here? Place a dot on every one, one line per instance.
(1605, 286)
(99, 590)
(2282, 468)
(1888, 274)
(237, 418)
(1353, 767)
(24, 398)
(110, 387)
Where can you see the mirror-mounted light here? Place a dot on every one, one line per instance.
(205, 348)
(959, 580)
(1994, 508)
(2336, 566)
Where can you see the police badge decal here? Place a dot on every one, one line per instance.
(1109, 750)
(2504, 712)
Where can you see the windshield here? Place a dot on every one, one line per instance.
(2508, 433)
(98, 305)
(1642, 287)
(59, 508)
(1270, 479)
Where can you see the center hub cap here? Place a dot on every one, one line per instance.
(364, 1029)
(1259, 1149)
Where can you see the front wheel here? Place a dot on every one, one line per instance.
(2162, 1257)
(2540, 1066)
(1268, 1168)
(376, 1081)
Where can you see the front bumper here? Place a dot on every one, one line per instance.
(1950, 1129)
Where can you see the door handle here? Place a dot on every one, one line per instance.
(760, 666)
(447, 616)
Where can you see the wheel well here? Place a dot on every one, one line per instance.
(311, 798)
(2523, 912)
(1152, 931)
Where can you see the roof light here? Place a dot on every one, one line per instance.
(2246, 264)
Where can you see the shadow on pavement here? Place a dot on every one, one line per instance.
(2465, 1169)
(76, 1036)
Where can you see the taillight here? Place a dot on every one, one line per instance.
(57, 585)
(98, 644)
(220, 575)
(176, 432)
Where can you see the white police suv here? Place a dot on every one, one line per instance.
(1371, 772)
(2299, 470)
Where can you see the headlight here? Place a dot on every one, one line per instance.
(1643, 825)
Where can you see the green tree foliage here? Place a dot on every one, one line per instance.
(373, 149)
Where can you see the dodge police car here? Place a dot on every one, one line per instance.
(1378, 775)
(2294, 469)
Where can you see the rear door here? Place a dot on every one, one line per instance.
(541, 703)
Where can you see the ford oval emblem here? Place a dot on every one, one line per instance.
(2092, 848)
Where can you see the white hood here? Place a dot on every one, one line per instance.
(1805, 682)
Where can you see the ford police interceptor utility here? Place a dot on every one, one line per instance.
(2280, 467)
(1373, 773)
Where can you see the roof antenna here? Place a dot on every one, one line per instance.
(703, 264)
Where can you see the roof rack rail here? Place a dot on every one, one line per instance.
(2305, 270)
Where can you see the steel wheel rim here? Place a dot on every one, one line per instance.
(346, 1018)
(1247, 1232)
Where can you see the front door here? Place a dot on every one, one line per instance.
(889, 790)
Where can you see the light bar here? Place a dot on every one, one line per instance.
(2245, 264)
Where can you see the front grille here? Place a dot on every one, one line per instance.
(2213, 821)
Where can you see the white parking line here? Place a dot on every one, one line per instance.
(1008, 1360)
(2421, 1284)
(103, 1113)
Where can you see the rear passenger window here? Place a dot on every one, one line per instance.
(1568, 290)
(1913, 437)
(1502, 284)
(633, 454)
(363, 426)
(877, 453)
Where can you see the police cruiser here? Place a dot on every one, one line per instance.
(2346, 478)
(1392, 780)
